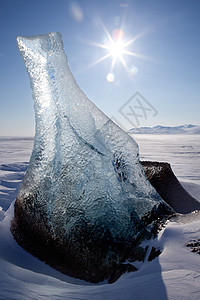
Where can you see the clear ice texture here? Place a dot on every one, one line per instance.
(83, 166)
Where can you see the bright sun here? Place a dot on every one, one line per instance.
(116, 48)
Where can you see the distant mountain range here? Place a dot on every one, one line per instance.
(182, 129)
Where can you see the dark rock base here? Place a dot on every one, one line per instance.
(167, 185)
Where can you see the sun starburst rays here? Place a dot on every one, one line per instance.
(117, 47)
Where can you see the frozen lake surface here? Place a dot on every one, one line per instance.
(173, 275)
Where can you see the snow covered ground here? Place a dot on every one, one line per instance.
(175, 274)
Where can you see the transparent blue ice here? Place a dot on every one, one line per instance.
(83, 166)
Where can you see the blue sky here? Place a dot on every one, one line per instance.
(166, 71)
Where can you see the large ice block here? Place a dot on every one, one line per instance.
(85, 202)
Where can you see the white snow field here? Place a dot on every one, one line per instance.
(175, 274)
